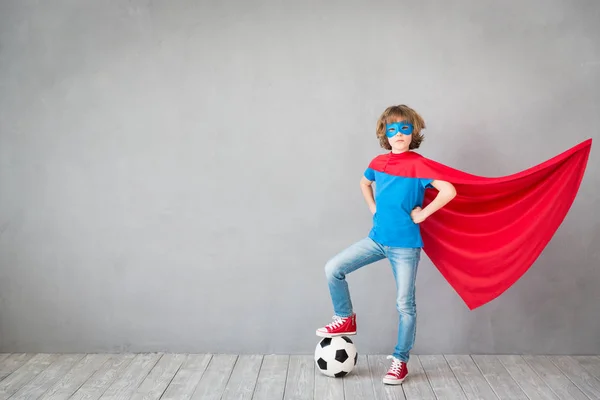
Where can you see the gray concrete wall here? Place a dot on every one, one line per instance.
(174, 175)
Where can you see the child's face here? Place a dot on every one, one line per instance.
(399, 135)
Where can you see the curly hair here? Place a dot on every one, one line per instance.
(406, 113)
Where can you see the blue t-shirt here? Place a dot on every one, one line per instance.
(395, 198)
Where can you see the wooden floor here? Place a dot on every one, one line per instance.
(205, 376)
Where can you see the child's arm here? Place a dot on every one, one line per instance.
(367, 191)
(446, 193)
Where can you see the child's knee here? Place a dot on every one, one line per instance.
(406, 305)
(333, 270)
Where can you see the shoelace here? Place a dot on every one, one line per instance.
(337, 321)
(396, 365)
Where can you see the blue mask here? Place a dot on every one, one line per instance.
(403, 127)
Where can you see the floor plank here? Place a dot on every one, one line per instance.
(12, 363)
(272, 376)
(416, 385)
(589, 385)
(77, 376)
(184, 383)
(300, 384)
(243, 378)
(213, 381)
(4, 356)
(590, 363)
(327, 387)
(554, 378)
(530, 382)
(47, 378)
(378, 367)
(28, 371)
(127, 383)
(97, 384)
(159, 377)
(441, 378)
(470, 377)
(498, 377)
(358, 384)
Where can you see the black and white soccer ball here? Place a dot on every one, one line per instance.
(336, 356)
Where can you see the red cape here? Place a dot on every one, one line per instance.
(489, 235)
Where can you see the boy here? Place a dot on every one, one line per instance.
(395, 234)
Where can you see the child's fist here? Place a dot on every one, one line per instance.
(418, 215)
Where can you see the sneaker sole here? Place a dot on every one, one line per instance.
(325, 334)
(393, 381)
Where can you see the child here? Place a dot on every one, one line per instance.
(395, 234)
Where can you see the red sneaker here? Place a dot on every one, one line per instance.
(397, 372)
(340, 326)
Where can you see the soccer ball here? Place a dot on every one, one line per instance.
(336, 356)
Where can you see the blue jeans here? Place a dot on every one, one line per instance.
(404, 262)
